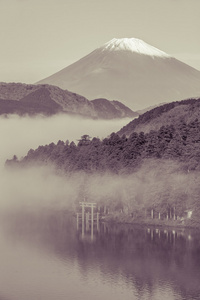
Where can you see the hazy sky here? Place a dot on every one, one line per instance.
(40, 37)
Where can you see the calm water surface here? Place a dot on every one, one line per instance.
(45, 256)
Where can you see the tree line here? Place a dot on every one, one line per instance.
(120, 155)
(164, 168)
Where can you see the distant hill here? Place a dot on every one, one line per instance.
(156, 170)
(142, 111)
(48, 100)
(170, 131)
(130, 71)
(106, 108)
(167, 114)
(177, 138)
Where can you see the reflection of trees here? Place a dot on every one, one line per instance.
(142, 256)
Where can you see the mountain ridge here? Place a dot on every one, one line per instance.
(137, 80)
(168, 114)
(163, 164)
(46, 99)
(122, 153)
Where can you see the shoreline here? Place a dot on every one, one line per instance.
(173, 224)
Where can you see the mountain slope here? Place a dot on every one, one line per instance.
(173, 113)
(131, 71)
(45, 99)
(121, 155)
(116, 108)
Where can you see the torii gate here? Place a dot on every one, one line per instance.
(92, 205)
(88, 204)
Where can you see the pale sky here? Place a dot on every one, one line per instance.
(40, 37)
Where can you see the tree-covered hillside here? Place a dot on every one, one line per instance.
(167, 114)
(123, 154)
(27, 99)
(139, 173)
(156, 172)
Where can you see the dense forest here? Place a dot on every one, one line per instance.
(135, 173)
(167, 114)
(158, 170)
(121, 155)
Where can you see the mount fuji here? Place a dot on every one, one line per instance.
(131, 71)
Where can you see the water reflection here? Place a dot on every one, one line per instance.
(113, 260)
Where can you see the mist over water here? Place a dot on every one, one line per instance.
(41, 186)
(43, 253)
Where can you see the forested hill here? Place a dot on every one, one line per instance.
(22, 99)
(179, 142)
(168, 114)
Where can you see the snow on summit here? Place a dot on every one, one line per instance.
(131, 71)
(133, 45)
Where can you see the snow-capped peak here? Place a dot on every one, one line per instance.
(133, 45)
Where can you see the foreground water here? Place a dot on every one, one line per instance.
(45, 256)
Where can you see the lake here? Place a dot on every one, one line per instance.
(48, 256)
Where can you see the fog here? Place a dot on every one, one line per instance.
(41, 186)
(19, 134)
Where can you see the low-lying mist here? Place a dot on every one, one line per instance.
(156, 183)
(19, 134)
(42, 186)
